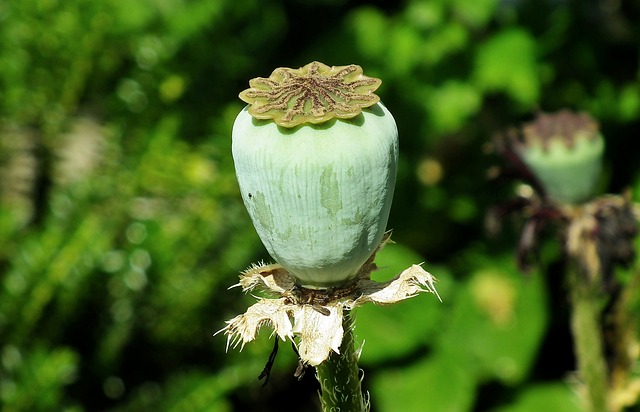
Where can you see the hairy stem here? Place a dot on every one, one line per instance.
(586, 311)
(339, 376)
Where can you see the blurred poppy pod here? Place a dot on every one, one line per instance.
(316, 154)
(564, 152)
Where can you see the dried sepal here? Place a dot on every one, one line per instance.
(313, 93)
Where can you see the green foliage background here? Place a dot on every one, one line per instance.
(121, 225)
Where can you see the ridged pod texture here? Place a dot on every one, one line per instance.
(318, 195)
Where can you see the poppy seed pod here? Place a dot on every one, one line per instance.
(564, 151)
(316, 154)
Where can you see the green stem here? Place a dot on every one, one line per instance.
(586, 311)
(624, 336)
(339, 376)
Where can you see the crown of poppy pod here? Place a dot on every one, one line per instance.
(314, 94)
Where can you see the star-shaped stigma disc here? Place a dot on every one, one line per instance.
(314, 94)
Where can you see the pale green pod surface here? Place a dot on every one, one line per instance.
(568, 174)
(319, 195)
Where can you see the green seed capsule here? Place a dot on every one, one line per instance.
(564, 152)
(319, 193)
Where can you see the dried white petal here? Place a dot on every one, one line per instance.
(271, 278)
(244, 328)
(319, 334)
(407, 284)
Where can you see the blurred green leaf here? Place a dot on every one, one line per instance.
(498, 322)
(474, 12)
(401, 56)
(451, 104)
(507, 62)
(425, 14)
(443, 41)
(438, 383)
(370, 28)
(557, 397)
(629, 102)
(35, 380)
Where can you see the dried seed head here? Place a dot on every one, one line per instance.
(601, 235)
(314, 93)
